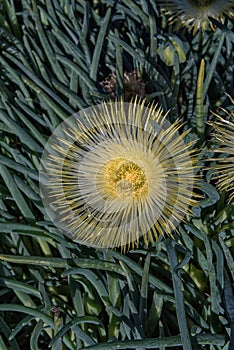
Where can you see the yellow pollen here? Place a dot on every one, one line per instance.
(123, 178)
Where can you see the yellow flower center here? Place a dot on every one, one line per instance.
(123, 178)
(202, 3)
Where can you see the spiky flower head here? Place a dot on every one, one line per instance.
(115, 172)
(196, 14)
(224, 147)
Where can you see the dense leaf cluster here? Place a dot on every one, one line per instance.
(55, 56)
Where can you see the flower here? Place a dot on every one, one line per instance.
(133, 85)
(224, 145)
(196, 14)
(115, 172)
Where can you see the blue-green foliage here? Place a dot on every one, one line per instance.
(56, 293)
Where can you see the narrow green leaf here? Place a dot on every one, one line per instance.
(22, 287)
(37, 82)
(12, 16)
(27, 40)
(155, 343)
(42, 68)
(96, 283)
(179, 297)
(214, 291)
(33, 174)
(57, 69)
(5, 329)
(76, 321)
(74, 99)
(21, 133)
(157, 283)
(16, 194)
(10, 227)
(115, 296)
(153, 30)
(2, 344)
(144, 291)
(219, 271)
(15, 78)
(228, 256)
(71, 48)
(34, 339)
(154, 315)
(31, 111)
(99, 45)
(213, 65)
(76, 295)
(51, 8)
(49, 101)
(20, 325)
(137, 10)
(33, 312)
(119, 67)
(62, 262)
(26, 189)
(83, 31)
(82, 74)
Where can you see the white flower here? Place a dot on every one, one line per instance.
(194, 14)
(116, 172)
(224, 146)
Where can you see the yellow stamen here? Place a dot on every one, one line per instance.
(123, 178)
